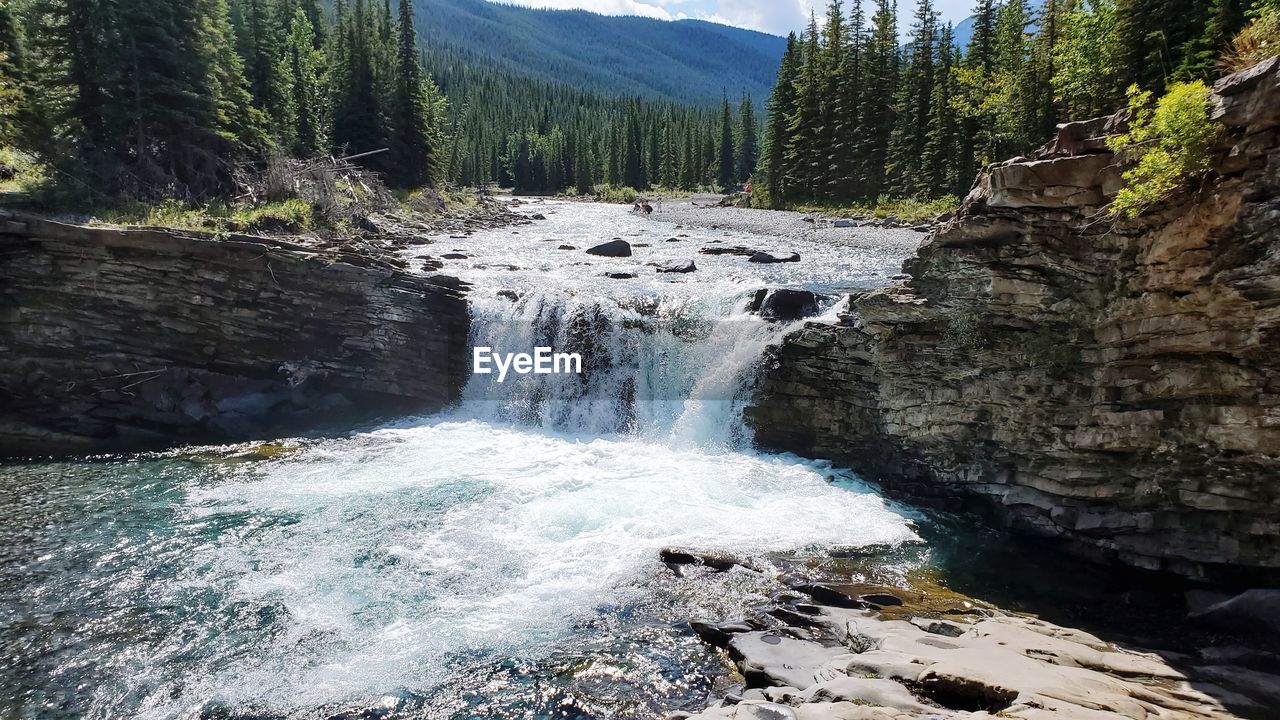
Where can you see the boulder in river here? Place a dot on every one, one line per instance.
(566, 247)
(613, 248)
(788, 305)
(678, 267)
(766, 258)
(620, 275)
(728, 250)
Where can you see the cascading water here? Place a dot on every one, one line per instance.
(497, 561)
(669, 369)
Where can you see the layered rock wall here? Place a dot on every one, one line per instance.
(117, 339)
(1112, 384)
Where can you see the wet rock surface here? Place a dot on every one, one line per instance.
(613, 248)
(1111, 385)
(936, 654)
(116, 339)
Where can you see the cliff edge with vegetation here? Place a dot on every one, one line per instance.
(124, 339)
(1111, 383)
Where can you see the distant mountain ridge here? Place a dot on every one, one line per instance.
(688, 61)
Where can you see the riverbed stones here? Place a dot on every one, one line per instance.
(615, 248)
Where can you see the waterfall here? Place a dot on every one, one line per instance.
(672, 369)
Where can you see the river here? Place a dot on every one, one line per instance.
(498, 560)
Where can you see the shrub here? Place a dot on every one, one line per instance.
(1171, 141)
(1258, 41)
(608, 193)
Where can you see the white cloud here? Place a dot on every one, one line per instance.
(772, 16)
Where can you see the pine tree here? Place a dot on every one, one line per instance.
(907, 174)
(940, 163)
(261, 39)
(227, 86)
(415, 158)
(845, 178)
(16, 105)
(878, 111)
(1087, 78)
(725, 173)
(781, 107)
(748, 149)
(975, 78)
(802, 160)
(304, 62)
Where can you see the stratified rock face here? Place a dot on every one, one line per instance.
(1113, 385)
(129, 339)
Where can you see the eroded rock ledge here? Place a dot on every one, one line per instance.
(131, 339)
(1116, 385)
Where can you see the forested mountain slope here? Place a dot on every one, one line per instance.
(688, 61)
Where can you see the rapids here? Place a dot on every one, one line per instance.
(499, 560)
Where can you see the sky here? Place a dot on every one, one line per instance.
(772, 16)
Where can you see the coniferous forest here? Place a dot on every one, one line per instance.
(167, 98)
(856, 117)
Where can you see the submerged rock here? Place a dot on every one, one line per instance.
(679, 267)
(766, 258)
(787, 305)
(613, 248)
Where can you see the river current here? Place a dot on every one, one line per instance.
(497, 560)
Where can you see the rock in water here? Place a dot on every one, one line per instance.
(789, 305)
(684, 267)
(613, 248)
(620, 275)
(766, 258)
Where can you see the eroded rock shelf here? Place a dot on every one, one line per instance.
(1112, 384)
(126, 339)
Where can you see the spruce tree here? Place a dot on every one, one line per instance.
(781, 107)
(415, 158)
(803, 161)
(940, 163)
(725, 174)
(878, 111)
(975, 78)
(748, 147)
(907, 174)
(304, 63)
(846, 174)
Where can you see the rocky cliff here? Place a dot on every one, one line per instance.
(1112, 384)
(117, 339)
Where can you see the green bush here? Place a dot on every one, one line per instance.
(1258, 41)
(1171, 142)
(611, 194)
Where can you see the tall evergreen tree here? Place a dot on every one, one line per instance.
(748, 147)
(781, 107)
(725, 174)
(415, 158)
(878, 112)
(907, 174)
